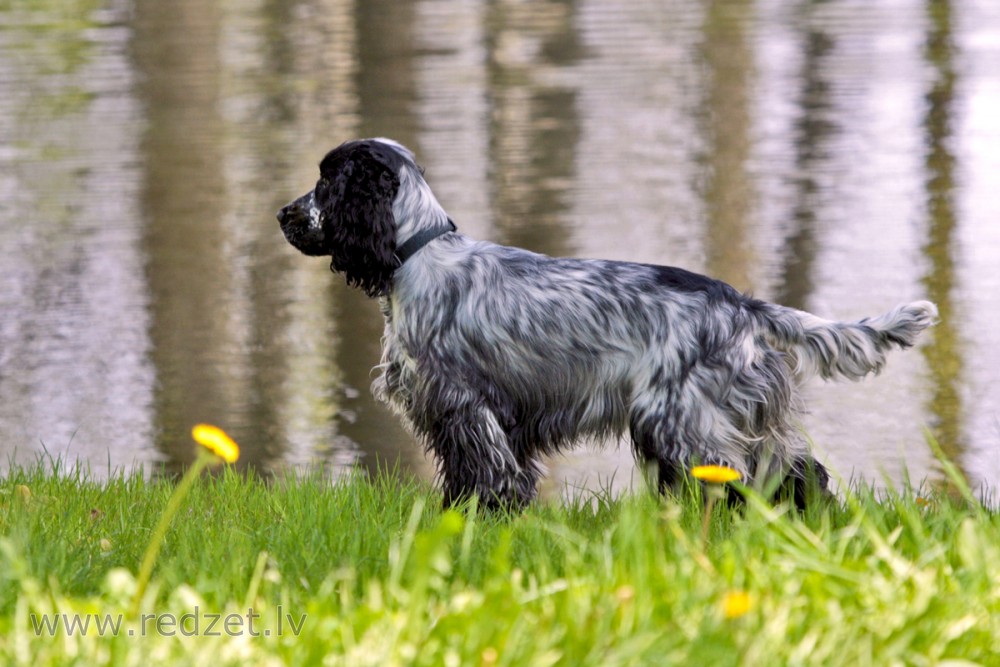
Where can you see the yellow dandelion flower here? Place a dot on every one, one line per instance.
(736, 604)
(715, 474)
(215, 440)
(625, 593)
(490, 656)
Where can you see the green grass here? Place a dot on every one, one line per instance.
(384, 577)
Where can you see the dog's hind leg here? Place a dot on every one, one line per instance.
(683, 425)
(654, 445)
(807, 482)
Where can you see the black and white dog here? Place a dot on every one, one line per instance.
(495, 356)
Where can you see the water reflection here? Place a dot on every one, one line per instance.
(813, 129)
(75, 373)
(189, 271)
(834, 158)
(728, 190)
(944, 355)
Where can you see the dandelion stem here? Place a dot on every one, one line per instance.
(156, 540)
(707, 519)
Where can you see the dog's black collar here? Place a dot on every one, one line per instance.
(420, 239)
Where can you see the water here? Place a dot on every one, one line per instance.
(839, 157)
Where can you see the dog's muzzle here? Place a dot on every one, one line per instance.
(299, 227)
(293, 213)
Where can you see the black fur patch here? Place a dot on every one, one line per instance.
(358, 182)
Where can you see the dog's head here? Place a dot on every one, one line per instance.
(370, 196)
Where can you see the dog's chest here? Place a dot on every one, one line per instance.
(398, 359)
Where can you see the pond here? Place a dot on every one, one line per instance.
(840, 157)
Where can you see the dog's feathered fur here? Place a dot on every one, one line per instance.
(495, 355)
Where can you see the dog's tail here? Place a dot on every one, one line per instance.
(844, 349)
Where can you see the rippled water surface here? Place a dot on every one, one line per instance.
(835, 156)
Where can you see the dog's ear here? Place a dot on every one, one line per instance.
(356, 195)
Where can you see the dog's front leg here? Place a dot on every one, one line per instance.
(475, 459)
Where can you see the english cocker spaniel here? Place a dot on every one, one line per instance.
(495, 355)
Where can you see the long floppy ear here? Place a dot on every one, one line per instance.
(359, 224)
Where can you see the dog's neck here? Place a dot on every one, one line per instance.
(407, 249)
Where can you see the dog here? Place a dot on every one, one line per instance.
(494, 356)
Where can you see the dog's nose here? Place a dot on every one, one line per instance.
(283, 215)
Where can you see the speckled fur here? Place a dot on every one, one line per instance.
(495, 355)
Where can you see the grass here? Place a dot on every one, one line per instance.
(376, 574)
